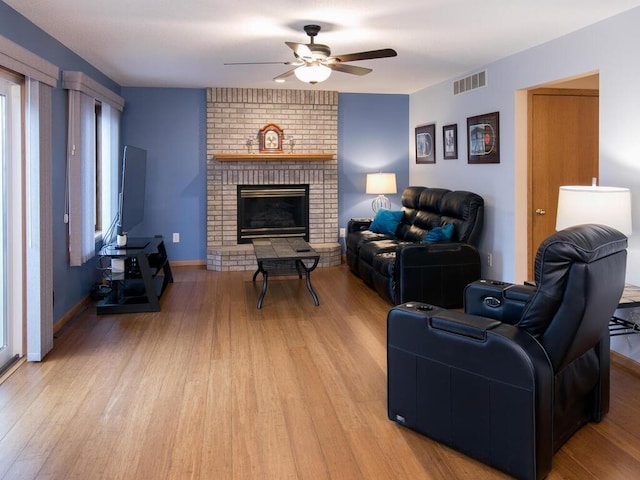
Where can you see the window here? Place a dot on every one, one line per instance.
(92, 159)
(98, 167)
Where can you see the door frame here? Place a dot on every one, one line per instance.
(523, 265)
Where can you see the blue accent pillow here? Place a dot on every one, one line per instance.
(386, 221)
(439, 234)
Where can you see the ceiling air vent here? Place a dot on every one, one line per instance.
(473, 81)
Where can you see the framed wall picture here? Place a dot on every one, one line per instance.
(450, 142)
(426, 143)
(483, 138)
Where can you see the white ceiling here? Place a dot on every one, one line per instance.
(185, 43)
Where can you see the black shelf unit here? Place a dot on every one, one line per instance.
(145, 276)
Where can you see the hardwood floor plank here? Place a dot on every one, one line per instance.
(327, 365)
(217, 446)
(303, 440)
(212, 387)
(625, 466)
(327, 421)
(75, 416)
(399, 460)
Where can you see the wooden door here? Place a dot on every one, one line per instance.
(563, 150)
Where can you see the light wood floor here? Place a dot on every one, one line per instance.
(212, 388)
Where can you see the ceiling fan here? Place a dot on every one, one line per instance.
(314, 62)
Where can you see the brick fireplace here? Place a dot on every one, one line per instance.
(234, 116)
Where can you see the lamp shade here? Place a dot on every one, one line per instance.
(312, 73)
(381, 183)
(609, 206)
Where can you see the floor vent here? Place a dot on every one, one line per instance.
(473, 81)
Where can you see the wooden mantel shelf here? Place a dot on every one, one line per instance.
(265, 157)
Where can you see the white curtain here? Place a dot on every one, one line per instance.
(81, 154)
(39, 239)
(81, 161)
(41, 77)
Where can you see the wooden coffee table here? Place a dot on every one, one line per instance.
(285, 256)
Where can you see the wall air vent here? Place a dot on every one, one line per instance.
(473, 81)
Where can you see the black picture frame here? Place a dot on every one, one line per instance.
(426, 143)
(483, 138)
(450, 142)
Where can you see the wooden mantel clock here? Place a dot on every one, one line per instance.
(271, 138)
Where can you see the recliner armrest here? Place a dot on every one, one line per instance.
(498, 300)
(461, 324)
(358, 224)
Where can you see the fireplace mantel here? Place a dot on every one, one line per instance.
(265, 157)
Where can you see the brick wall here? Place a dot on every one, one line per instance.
(235, 115)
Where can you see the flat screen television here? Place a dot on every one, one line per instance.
(132, 192)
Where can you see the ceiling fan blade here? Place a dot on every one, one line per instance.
(340, 67)
(370, 55)
(300, 49)
(264, 63)
(284, 75)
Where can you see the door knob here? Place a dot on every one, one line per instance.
(540, 211)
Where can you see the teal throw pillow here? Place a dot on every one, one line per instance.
(386, 221)
(439, 234)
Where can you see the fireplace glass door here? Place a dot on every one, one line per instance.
(273, 211)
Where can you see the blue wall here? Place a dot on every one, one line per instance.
(171, 125)
(372, 137)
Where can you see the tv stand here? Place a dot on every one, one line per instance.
(143, 277)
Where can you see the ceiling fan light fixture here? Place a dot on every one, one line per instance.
(314, 63)
(312, 73)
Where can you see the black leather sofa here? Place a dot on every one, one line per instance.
(511, 379)
(402, 268)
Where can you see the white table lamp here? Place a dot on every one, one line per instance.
(381, 184)
(609, 206)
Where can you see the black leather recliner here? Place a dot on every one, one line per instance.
(511, 392)
(401, 268)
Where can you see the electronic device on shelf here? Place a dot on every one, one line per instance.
(132, 244)
(132, 193)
